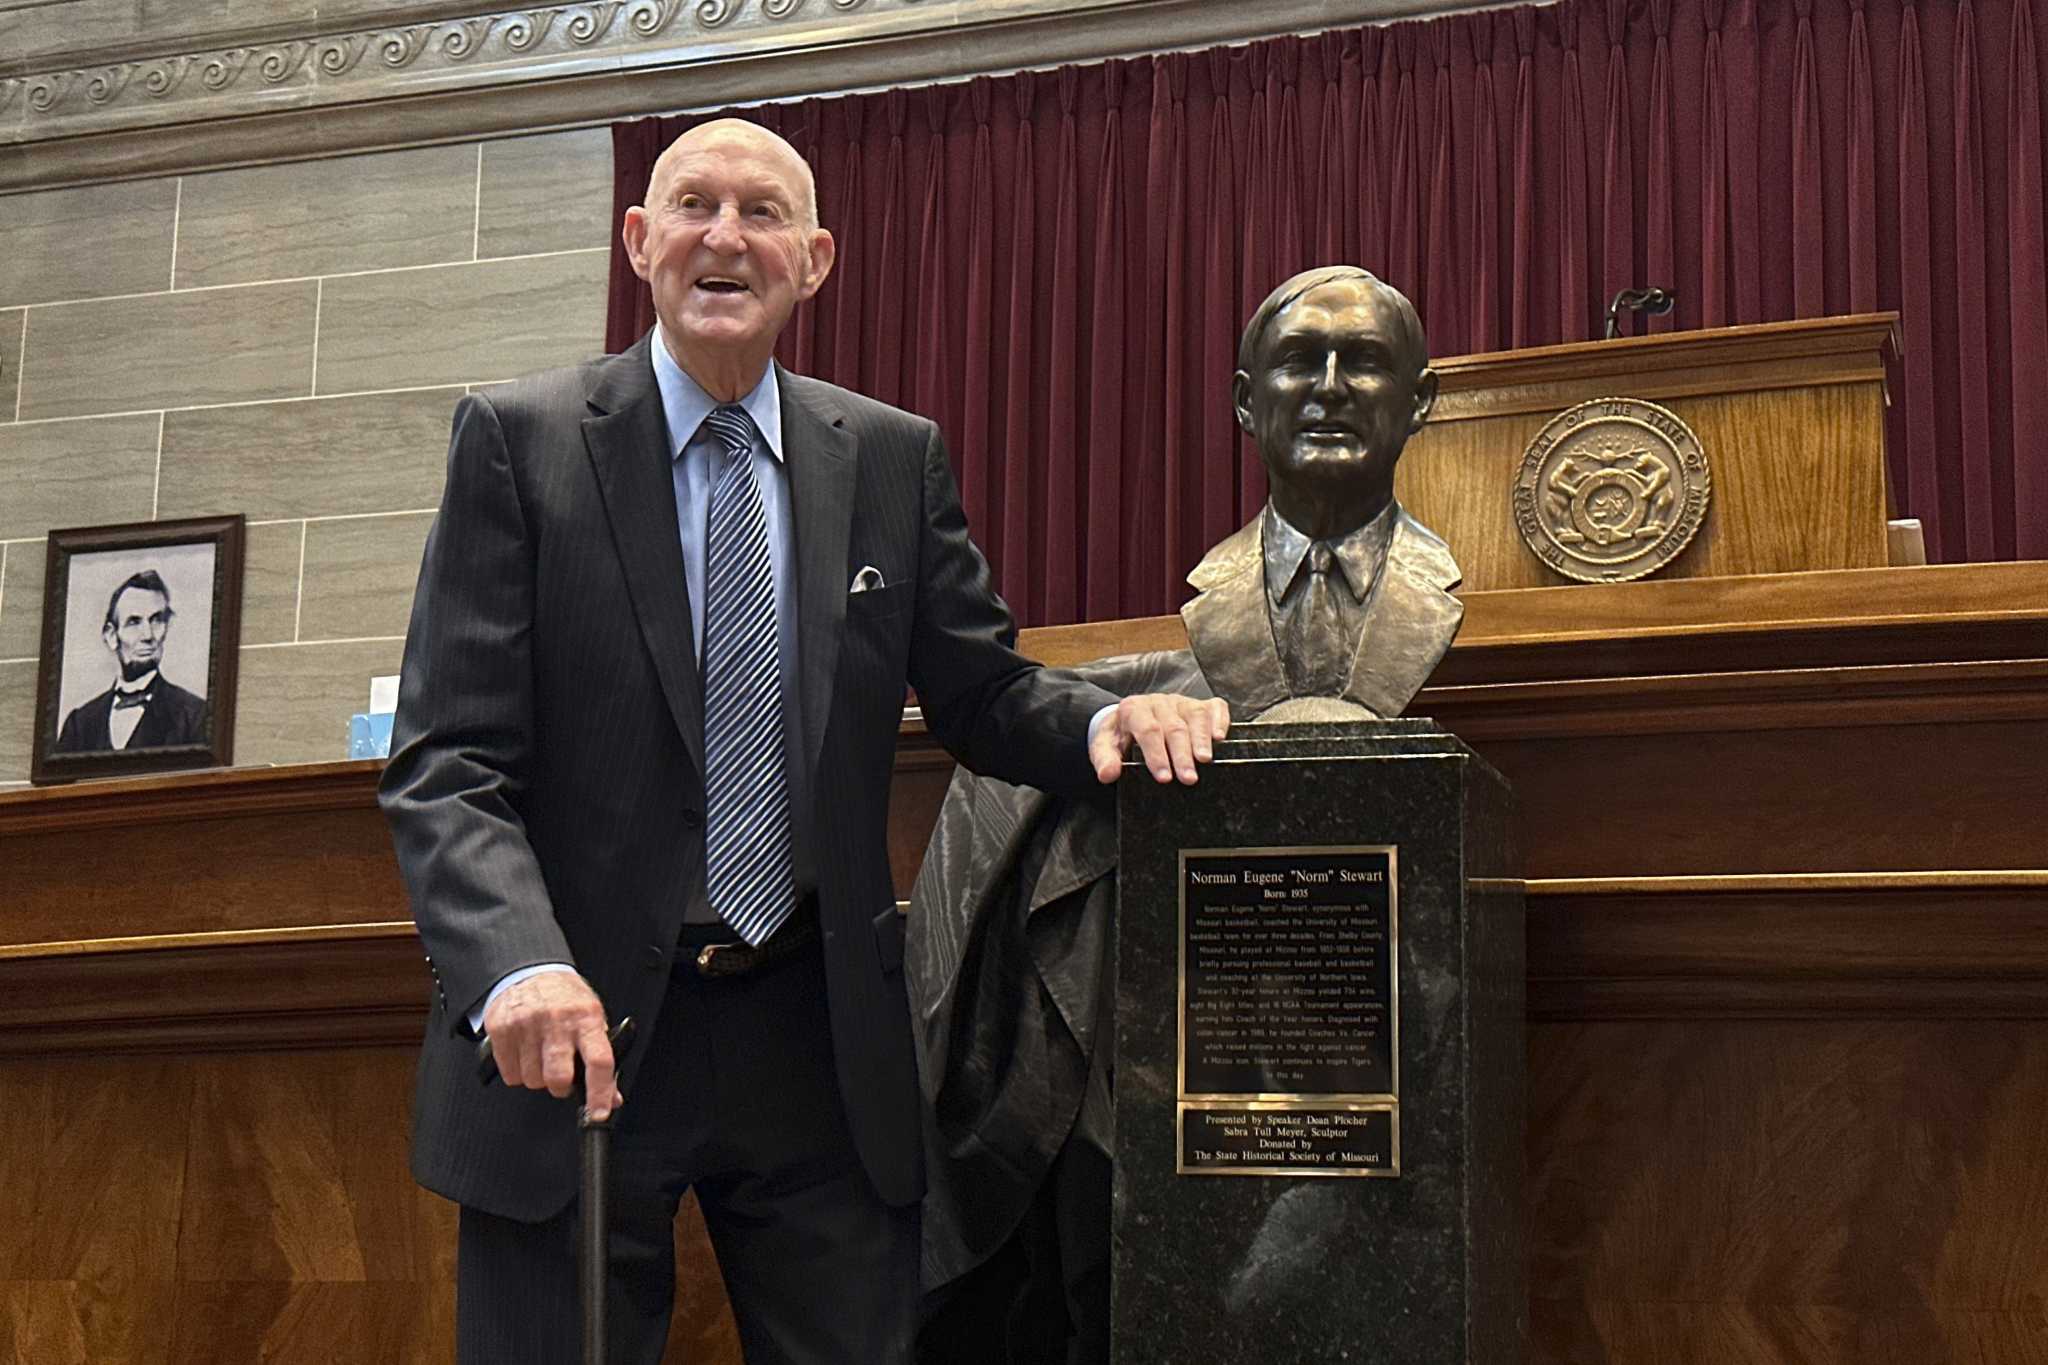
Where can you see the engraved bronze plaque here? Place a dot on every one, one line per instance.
(1287, 1139)
(1289, 1019)
(1612, 490)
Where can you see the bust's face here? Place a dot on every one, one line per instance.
(1337, 392)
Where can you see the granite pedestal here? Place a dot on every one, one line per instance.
(1319, 1056)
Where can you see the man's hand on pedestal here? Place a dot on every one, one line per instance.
(1173, 734)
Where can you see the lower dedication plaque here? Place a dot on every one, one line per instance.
(1288, 1018)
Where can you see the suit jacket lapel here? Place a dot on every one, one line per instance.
(1240, 663)
(1392, 664)
(819, 451)
(629, 445)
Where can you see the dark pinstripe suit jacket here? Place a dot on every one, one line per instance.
(545, 788)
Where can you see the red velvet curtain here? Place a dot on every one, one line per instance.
(1055, 265)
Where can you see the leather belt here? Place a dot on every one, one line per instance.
(736, 958)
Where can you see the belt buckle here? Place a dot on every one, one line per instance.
(708, 956)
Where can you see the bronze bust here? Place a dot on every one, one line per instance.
(1334, 602)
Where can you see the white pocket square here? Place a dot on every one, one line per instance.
(868, 579)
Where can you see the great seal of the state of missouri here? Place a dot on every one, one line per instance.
(1611, 490)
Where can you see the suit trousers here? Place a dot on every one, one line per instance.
(738, 1099)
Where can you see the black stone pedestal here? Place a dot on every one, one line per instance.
(1319, 1058)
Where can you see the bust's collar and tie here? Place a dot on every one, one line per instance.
(1289, 553)
(1404, 622)
(1316, 593)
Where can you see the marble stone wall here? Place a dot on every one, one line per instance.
(287, 342)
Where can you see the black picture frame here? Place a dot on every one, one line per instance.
(89, 570)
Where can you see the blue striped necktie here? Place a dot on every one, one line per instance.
(747, 870)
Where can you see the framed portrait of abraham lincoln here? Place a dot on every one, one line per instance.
(141, 626)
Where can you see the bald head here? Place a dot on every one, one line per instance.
(729, 243)
(738, 134)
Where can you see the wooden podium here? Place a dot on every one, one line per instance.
(1790, 414)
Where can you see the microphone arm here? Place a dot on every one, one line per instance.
(1651, 301)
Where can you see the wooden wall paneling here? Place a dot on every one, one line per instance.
(206, 795)
(1897, 695)
(702, 1331)
(303, 1237)
(296, 1169)
(279, 1322)
(923, 772)
(1798, 480)
(1855, 943)
(258, 990)
(1937, 945)
(1777, 1114)
(1758, 650)
(239, 1207)
(234, 872)
(91, 1179)
(1904, 798)
(1864, 1192)
(1706, 776)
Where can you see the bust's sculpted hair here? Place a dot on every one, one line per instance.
(1254, 335)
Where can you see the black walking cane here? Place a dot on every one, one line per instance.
(593, 1216)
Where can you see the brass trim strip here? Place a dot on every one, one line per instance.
(1973, 879)
(1281, 1100)
(217, 938)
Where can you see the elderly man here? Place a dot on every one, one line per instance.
(143, 709)
(641, 766)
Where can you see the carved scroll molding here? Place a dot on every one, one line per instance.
(428, 75)
(531, 43)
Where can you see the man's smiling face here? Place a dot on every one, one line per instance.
(728, 241)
